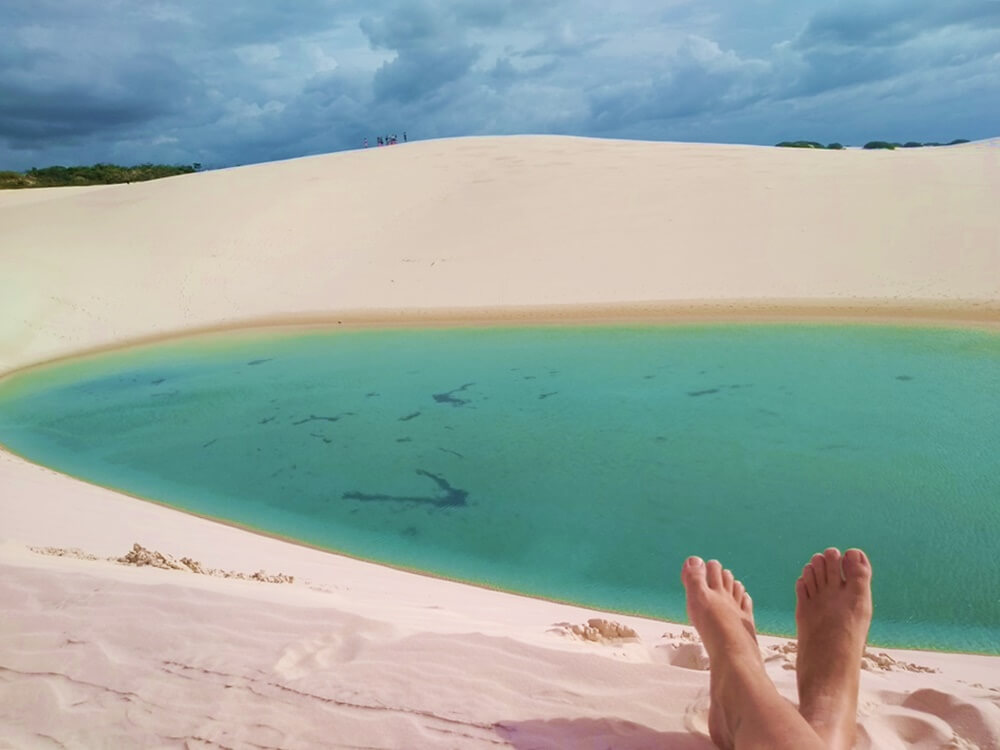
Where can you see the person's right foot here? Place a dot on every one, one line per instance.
(833, 612)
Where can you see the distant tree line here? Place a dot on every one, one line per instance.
(808, 144)
(98, 174)
(870, 145)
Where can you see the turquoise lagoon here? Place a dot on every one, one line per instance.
(574, 463)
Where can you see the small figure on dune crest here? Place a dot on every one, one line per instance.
(832, 614)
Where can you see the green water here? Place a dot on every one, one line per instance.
(581, 464)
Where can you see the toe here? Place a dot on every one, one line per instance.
(713, 572)
(832, 557)
(746, 603)
(856, 566)
(727, 580)
(693, 572)
(800, 589)
(818, 564)
(809, 577)
(738, 590)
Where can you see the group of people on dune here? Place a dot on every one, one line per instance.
(386, 140)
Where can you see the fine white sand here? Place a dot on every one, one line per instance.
(95, 653)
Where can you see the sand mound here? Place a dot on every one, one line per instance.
(140, 557)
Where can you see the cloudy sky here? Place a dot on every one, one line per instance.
(226, 82)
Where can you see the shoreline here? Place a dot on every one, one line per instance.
(972, 314)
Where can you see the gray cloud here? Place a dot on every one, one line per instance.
(882, 23)
(184, 80)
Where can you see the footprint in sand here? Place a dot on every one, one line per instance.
(900, 729)
(326, 650)
(696, 715)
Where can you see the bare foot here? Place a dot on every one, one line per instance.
(833, 612)
(722, 612)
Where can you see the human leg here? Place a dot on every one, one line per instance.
(746, 710)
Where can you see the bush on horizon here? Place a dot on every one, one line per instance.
(809, 144)
(800, 144)
(912, 144)
(98, 174)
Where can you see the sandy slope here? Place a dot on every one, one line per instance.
(486, 222)
(95, 653)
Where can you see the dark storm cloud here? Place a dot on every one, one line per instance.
(698, 78)
(39, 106)
(429, 46)
(872, 42)
(892, 23)
(185, 80)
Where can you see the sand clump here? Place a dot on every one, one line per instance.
(871, 661)
(140, 557)
(597, 630)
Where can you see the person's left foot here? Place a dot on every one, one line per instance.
(722, 612)
(833, 612)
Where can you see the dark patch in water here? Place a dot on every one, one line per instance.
(259, 361)
(529, 377)
(371, 394)
(741, 385)
(157, 381)
(904, 377)
(165, 393)
(454, 453)
(769, 413)
(704, 392)
(317, 418)
(322, 437)
(449, 398)
(404, 440)
(409, 531)
(408, 417)
(660, 439)
(546, 395)
(210, 442)
(265, 420)
(451, 497)
(648, 377)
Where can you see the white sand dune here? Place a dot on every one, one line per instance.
(497, 222)
(94, 653)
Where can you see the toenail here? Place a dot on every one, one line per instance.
(695, 562)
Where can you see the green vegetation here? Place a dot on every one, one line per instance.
(809, 144)
(870, 145)
(99, 174)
